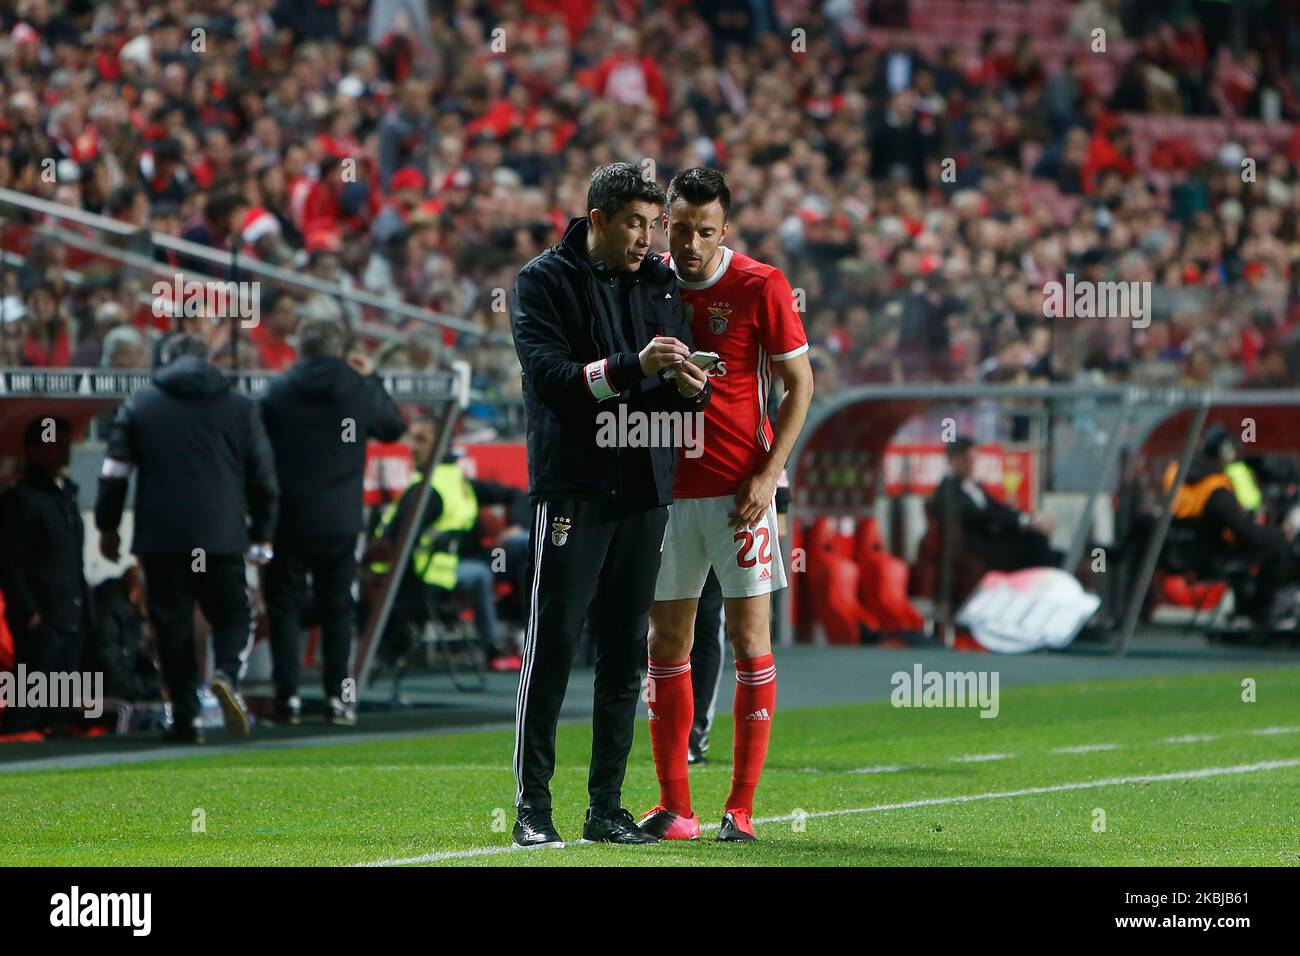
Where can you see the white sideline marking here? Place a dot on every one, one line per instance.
(1189, 739)
(1085, 748)
(886, 769)
(1272, 731)
(979, 758)
(911, 804)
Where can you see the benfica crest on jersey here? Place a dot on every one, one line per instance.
(718, 318)
(560, 531)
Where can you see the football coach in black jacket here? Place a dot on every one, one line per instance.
(319, 415)
(596, 320)
(205, 487)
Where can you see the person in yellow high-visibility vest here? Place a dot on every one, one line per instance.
(434, 559)
(1209, 500)
(443, 556)
(1244, 485)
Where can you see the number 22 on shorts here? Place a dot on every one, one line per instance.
(744, 557)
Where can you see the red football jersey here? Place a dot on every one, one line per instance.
(745, 312)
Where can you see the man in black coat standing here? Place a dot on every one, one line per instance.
(596, 319)
(319, 415)
(205, 487)
(41, 572)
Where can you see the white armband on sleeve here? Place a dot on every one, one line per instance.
(112, 468)
(596, 375)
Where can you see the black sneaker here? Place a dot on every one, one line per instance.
(340, 714)
(535, 831)
(696, 751)
(617, 826)
(233, 711)
(288, 711)
(183, 734)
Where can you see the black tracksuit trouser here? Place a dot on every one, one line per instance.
(585, 553)
(220, 589)
(332, 564)
(49, 650)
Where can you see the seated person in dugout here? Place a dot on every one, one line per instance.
(441, 560)
(121, 647)
(1208, 501)
(1003, 538)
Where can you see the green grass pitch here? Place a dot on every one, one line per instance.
(1170, 771)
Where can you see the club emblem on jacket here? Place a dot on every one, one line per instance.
(718, 318)
(560, 531)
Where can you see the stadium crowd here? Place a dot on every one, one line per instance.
(424, 152)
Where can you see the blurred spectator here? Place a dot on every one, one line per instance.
(121, 648)
(41, 574)
(277, 324)
(124, 348)
(1005, 539)
(46, 343)
(385, 147)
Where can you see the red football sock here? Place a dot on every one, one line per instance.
(672, 709)
(753, 708)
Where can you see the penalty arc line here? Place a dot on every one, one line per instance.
(448, 855)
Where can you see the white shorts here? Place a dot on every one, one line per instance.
(747, 562)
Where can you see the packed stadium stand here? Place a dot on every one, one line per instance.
(466, 159)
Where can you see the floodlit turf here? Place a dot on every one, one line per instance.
(417, 798)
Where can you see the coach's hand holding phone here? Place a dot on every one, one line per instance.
(691, 379)
(661, 352)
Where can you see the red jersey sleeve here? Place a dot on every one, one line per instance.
(780, 329)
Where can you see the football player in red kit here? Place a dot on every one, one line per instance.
(723, 515)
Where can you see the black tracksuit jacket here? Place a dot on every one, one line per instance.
(206, 478)
(567, 324)
(320, 474)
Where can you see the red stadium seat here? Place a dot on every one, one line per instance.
(833, 581)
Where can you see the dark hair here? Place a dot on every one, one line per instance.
(614, 186)
(33, 434)
(121, 199)
(168, 150)
(222, 205)
(321, 338)
(1216, 436)
(182, 345)
(700, 186)
(960, 444)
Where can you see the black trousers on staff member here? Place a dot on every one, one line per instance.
(584, 552)
(332, 563)
(221, 591)
(49, 649)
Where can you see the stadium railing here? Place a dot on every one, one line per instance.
(117, 242)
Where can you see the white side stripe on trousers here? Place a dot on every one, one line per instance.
(530, 649)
